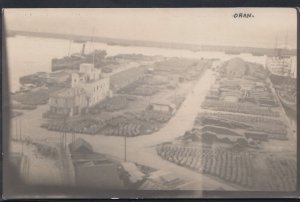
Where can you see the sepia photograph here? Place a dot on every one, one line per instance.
(149, 100)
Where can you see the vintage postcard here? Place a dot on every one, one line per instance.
(149, 102)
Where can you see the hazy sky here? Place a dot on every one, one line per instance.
(186, 25)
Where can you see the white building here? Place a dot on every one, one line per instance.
(90, 79)
(88, 87)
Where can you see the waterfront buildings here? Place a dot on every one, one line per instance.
(93, 169)
(88, 87)
(96, 175)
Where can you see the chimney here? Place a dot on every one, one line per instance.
(83, 47)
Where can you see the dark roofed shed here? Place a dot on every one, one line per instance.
(80, 146)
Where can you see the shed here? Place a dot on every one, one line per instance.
(104, 176)
(80, 146)
(163, 106)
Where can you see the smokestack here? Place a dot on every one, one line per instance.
(83, 48)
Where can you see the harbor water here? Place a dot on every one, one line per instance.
(28, 55)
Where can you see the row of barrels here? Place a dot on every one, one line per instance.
(130, 130)
(283, 174)
(220, 122)
(272, 129)
(116, 103)
(155, 116)
(83, 126)
(152, 80)
(110, 104)
(145, 91)
(219, 105)
(242, 118)
(230, 166)
(117, 121)
(253, 123)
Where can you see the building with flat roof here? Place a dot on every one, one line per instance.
(80, 146)
(69, 101)
(162, 106)
(98, 175)
(88, 88)
(93, 169)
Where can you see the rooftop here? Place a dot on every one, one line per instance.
(100, 175)
(79, 142)
(163, 102)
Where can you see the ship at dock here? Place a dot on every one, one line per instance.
(285, 87)
(232, 52)
(282, 69)
(288, 99)
(79, 41)
(73, 61)
(257, 54)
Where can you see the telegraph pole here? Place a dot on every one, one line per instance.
(21, 137)
(69, 47)
(16, 120)
(93, 46)
(65, 135)
(125, 145)
(73, 137)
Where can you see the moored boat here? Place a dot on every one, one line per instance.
(232, 53)
(258, 54)
(73, 61)
(79, 41)
(282, 77)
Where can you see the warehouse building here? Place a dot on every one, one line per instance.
(88, 87)
(93, 169)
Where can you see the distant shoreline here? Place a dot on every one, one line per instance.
(125, 42)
